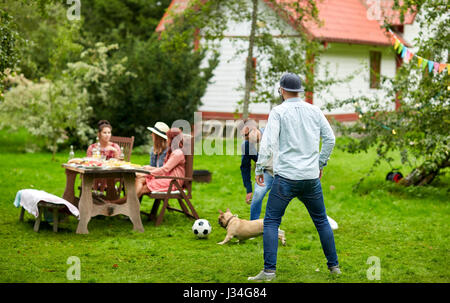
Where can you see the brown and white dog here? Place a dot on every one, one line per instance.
(243, 229)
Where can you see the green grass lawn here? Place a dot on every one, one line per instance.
(406, 228)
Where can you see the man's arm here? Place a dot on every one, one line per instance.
(269, 143)
(328, 141)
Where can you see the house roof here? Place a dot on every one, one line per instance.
(345, 21)
(175, 7)
(393, 16)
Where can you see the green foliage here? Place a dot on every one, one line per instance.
(98, 74)
(55, 109)
(171, 77)
(46, 109)
(8, 49)
(143, 80)
(121, 21)
(420, 128)
(48, 39)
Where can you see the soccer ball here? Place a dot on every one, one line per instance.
(201, 228)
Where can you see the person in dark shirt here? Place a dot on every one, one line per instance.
(252, 136)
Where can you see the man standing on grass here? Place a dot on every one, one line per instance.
(292, 137)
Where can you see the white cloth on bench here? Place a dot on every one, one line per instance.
(172, 192)
(29, 199)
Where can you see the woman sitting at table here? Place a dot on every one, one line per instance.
(107, 149)
(159, 149)
(173, 166)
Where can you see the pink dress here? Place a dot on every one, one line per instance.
(174, 166)
(109, 154)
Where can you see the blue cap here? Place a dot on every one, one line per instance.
(291, 82)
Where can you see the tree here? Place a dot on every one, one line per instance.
(47, 39)
(121, 21)
(249, 68)
(51, 109)
(299, 54)
(420, 128)
(46, 109)
(8, 49)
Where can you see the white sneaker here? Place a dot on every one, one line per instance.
(263, 276)
(334, 270)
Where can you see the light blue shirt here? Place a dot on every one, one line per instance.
(292, 137)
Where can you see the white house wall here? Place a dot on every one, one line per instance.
(226, 88)
(227, 85)
(343, 60)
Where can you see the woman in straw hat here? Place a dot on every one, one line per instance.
(159, 149)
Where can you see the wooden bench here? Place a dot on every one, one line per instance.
(55, 208)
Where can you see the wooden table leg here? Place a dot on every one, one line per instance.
(85, 205)
(69, 192)
(133, 202)
(38, 219)
(111, 192)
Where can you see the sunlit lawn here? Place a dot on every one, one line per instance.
(406, 228)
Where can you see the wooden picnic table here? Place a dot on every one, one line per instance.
(88, 209)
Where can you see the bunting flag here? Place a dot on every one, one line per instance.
(407, 55)
(430, 66)
(425, 63)
(404, 51)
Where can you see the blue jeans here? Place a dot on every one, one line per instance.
(258, 195)
(310, 193)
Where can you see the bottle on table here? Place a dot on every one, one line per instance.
(71, 153)
(96, 150)
(122, 154)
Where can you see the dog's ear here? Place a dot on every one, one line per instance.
(221, 212)
(228, 210)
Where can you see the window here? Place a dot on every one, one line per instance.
(375, 64)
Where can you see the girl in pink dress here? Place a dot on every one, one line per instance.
(107, 148)
(173, 166)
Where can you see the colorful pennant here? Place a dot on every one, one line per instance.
(407, 55)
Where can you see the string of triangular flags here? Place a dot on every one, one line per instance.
(422, 63)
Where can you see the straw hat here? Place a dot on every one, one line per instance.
(160, 129)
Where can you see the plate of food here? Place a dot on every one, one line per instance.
(75, 161)
(93, 164)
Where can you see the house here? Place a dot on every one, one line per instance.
(354, 41)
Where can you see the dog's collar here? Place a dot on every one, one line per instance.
(228, 221)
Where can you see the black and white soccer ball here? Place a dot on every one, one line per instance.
(201, 228)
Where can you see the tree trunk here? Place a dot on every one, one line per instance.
(54, 147)
(420, 176)
(249, 69)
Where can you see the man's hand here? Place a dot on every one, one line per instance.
(260, 180)
(248, 198)
(320, 174)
